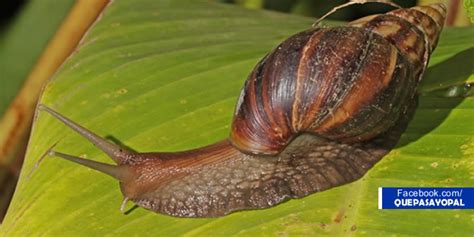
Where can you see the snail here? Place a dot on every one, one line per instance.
(316, 112)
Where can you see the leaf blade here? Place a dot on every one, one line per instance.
(180, 94)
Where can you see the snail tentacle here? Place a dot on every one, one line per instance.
(119, 154)
(118, 172)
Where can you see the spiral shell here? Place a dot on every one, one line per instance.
(347, 83)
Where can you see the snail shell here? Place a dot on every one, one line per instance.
(317, 112)
(345, 83)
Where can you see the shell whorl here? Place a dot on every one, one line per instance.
(348, 83)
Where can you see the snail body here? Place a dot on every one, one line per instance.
(317, 112)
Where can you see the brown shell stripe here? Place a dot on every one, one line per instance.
(334, 61)
(254, 130)
(373, 117)
(373, 76)
(301, 85)
(425, 24)
(401, 33)
(435, 11)
(272, 95)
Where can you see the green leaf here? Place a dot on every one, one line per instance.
(165, 75)
(452, 63)
(18, 52)
(469, 5)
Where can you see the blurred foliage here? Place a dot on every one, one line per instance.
(315, 8)
(457, 14)
(8, 10)
(25, 29)
(469, 5)
(252, 4)
(23, 39)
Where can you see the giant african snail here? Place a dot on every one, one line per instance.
(317, 112)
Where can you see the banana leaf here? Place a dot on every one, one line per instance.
(159, 75)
